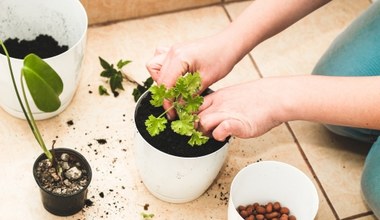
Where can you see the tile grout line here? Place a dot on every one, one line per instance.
(312, 171)
(221, 3)
(101, 24)
(256, 67)
(369, 213)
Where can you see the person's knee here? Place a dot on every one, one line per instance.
(359, 134)
(370, 181)
(355, 51)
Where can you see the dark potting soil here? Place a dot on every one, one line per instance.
(43, 45)
(168, 141)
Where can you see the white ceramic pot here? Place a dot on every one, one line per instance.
(176, 179)
(65, 21)
(273, 181)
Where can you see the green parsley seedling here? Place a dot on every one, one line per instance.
(186, 101)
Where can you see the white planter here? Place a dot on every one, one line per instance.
(66, 21)
(176, 179)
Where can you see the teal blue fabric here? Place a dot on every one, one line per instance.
(370, 182)
(356, 52)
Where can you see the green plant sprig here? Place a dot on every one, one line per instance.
(186, 101)
(114, 75)
(44, 85)
(140, 89)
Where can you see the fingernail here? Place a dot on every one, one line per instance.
(169, 117)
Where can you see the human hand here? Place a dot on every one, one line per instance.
(208, 56)
(245, 110)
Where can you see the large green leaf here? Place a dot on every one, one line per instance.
(44, 84)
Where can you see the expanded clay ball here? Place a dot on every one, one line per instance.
(270, 211)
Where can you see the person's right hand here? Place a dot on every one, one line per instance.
(209, 56)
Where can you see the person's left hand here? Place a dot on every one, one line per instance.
(245, 111)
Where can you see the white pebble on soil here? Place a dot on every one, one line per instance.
(65, 157)
(73, 173)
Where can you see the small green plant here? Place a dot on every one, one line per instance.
(186, 101)
(114, 75)
(44, 86)
(140, 89)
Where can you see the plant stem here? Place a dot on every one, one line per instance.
(166, 111)
(14, 82)
(33, 124)
(29, 115)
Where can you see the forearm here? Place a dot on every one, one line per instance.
(348, 101)
(264, 19)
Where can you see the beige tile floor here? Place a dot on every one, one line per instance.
(334, 163)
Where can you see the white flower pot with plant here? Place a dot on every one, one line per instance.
(25, 21)
(178, 164)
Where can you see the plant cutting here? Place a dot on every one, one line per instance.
(114, 75)
(63, 175)
(169, 165)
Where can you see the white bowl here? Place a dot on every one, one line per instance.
(65, 21)
(272, 181)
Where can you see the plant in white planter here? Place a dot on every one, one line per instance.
(170, 165)
(65, 22)
(63, 175)
(186, 101)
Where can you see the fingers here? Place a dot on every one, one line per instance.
(154, 66)
(161, 50)
(230, 127)
(207, 102)
(166, 66)
(210, 124)
(171, 114)
(222, 131)
(222, 126)
(172, 68)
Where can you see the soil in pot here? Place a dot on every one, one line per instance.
(63, 195)
(168, 141)
(43, 45)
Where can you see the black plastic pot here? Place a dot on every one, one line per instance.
(64, 205)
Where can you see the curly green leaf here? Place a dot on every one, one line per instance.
(184, 126)
(198, 139)
(158, 95)
(155, 125)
